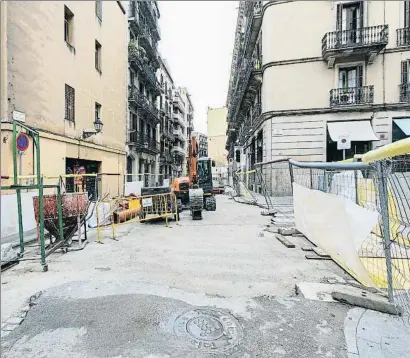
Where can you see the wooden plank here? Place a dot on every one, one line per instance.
(307, 248)
(316, 257)
(285, 241)
(298, 234)
(320, 252)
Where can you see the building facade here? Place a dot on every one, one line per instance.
(143, 142)
(64, 75)
(167, 123)
(340, 69)
(217, 138)
(202, 140)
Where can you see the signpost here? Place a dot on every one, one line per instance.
(344, 143)
(22, 143)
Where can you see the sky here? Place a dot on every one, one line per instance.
(197, 39)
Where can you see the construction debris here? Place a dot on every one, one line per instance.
(287, 231)
(285, 241)
(365, 299)
(316, 257)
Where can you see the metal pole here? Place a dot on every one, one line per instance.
(291, 176)
(356, 188)
(40, 204)
(60, 213)
(18, 190)
(384, 206)
(311, 179)
(344, 154)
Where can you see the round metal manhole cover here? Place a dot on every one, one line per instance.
(208, 329)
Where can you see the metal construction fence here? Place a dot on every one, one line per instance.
(380, 184)
(111, 213)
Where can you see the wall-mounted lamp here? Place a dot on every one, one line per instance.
(97, 126)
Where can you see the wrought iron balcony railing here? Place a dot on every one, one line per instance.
(357, 38)
(351, 96)
(142, 103)
(144, 142)
(404, 92)
(147, 72)
(166, 158)
(179, 134)
(403, 36)
(168, 132)
(178, 150)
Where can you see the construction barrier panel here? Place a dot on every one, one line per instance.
(134, 209)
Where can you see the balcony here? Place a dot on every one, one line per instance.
(405, 92)
(143, 104)
(168, 132)
(403, 36)
(257, 118)
(142, 142)
(351, 96)
(179, 117)
(179, 134)
(165, 158)
(366, 41)
(147, 73)
(147, 8)
(177, 150)
(253, 28)
(177, 100)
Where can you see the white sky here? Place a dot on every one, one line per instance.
(197, 41)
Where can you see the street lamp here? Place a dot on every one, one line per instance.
(97, 126)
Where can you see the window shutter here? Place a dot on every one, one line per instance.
(361, 14)
(404, 72)
(407, 13)
(339, 17)
(359, 76)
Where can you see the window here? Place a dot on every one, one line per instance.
(98, 9)
(68, 25)
(350, 85)
(69, 103)
(405, 81)
(97, 111)
(349, 20)
(97, 56)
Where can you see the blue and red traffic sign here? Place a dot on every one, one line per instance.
(22, 142)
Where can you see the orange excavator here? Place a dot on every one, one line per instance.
(196, 190)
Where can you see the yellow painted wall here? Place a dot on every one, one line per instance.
(217, 125)
(40, 63)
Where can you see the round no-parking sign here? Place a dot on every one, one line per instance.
(22, 142)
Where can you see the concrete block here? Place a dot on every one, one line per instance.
(8, 253)
(285, 241)
(307, 248)
(10, 327)
(315, 291)
(320, 252)
(15, 320)
(365, 299)
(270, 212)
(287, 231)
(316, 257)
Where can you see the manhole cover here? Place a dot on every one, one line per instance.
(208, 329)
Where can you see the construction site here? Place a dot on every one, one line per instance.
(259, 271)
(278, 227)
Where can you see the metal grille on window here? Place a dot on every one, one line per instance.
(69, 103)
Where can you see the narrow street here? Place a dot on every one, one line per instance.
(139, 296)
